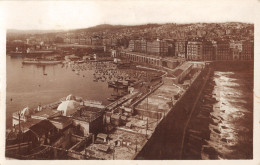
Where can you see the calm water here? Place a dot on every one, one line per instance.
(234, 114)
(28, 86)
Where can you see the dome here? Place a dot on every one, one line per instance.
(68, 107)
(70, 97)
(25, 111)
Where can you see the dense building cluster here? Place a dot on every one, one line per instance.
(196, 49)
(198, 41)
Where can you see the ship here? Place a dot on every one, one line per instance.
(16, 54)
(41, 61)
(29, 53)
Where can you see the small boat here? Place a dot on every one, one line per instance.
(80, 61)
(111, 84)
(114, 94)
(111, 99)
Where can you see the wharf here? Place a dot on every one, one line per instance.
(152, 110)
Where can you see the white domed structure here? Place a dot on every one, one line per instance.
(68, 107)
(70, 97)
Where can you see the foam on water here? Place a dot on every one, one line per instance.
(229, 114)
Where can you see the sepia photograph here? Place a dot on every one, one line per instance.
(129, 80)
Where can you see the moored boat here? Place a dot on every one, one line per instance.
(111, 99)
(41, 62)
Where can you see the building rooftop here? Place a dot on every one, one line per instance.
(26, 125)
(177, 72)
(42, 127)
(123, 151)
(86, 113)
(60, 121)
(160, 99)
(44, 114)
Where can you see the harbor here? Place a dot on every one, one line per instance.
(143, 104)
(134, 112)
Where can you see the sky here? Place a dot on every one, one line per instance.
(57, 15)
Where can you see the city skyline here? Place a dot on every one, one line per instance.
(49, 15)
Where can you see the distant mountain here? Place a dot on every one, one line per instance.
(113, 27)
(15, 31)
(109, 27)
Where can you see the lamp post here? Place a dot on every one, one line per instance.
(19, 131)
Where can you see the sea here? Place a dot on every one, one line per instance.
(234, 94)
(231, 137)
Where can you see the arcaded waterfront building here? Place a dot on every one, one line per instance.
(157, 48)
(194, 50)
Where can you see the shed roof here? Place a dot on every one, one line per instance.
(103, 147)
(102, 135)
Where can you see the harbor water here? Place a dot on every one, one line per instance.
(31, 85)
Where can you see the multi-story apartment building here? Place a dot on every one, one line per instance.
(235, 49)
(236, 45)
(135, 45)
(88, 41)
(96, 41)
(131, 45)
(74, 41)
(208, 50)
(67, 40)
(158, 48)
(106, 41)
(143, 46)
(247, 50)
(171, 49)
(180, 48)
(194, 50)
(223, 51)
(235, 53)
(82, 41)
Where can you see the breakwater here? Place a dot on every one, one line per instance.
(165, 142)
